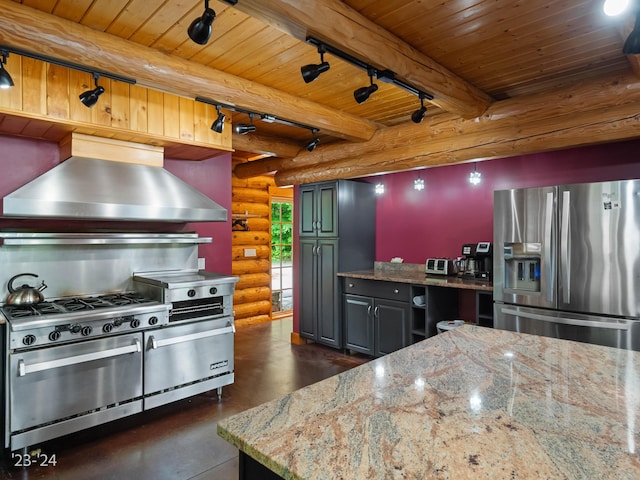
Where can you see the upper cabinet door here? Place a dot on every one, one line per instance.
(327, 210)
(308, 220)
(319, 210)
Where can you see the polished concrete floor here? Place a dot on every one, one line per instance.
(179, 441)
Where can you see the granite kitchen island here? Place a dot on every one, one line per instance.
(471, 403)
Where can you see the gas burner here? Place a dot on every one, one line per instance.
(78, 304)
(21, 311)
(128, 298)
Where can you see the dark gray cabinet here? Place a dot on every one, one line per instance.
(336, 233)
(376, 316)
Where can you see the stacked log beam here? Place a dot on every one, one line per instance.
(252, 298)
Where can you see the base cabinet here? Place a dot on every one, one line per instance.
(377, 316)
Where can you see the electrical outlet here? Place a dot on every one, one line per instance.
(200, 263)
(249, 252)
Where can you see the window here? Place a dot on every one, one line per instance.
(282, 255)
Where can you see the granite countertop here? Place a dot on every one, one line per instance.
(470, 403)
(414, 274)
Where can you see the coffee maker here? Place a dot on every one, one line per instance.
(477, 261)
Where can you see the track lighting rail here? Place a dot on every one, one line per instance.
(265, 117)
(63, 63)
(384, 75)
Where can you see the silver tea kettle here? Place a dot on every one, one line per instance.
(26, 294)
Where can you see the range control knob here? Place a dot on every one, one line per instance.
(55, 335)
(213, 290)
(191, 293)
(29, 339)
(153, 320)
(107, 327)
(135, 323)
(86, 331)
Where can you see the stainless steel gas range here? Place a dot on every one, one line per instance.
(73, 362)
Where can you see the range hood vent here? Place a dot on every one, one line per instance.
(96, 189)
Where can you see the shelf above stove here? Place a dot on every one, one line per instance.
(21, 239)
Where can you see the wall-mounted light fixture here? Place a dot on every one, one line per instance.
(418, 184)
(475, 177)
(312, 71)
(382, 74)
(379, 189)
(90, 97)
(5, 79)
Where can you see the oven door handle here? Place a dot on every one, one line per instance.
(155, 344)
(23, 369)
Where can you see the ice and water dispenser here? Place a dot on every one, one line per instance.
(522, 266)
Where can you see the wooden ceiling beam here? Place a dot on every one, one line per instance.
(344, 28)
(608, 112)
(265, 145)
(28, 29)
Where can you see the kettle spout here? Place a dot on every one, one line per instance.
(42, 286)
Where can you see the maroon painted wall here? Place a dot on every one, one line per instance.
(436, 221)
(23, 159)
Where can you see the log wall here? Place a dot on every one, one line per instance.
(252, 299)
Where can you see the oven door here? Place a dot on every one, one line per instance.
(55, 383)
(187, 359)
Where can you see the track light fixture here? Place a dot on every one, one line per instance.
(312, 71)
(362, 94)
(5, 79)
(418, 184)
(200, 29)
(244, 128)
(418, 115)
(615, 7)
(632, 44)
(218, 124)
(311, 146)
(90, 97)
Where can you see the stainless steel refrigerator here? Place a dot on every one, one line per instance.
(567, 262)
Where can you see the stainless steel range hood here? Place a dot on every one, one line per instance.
(97, 189)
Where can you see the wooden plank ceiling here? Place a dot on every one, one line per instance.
(472, 53)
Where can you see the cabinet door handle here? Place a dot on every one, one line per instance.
(369, 311)
(314, 251)
(375, 312)
(351, 286)
(396, 290)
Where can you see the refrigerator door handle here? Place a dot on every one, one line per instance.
(567, 321)
(548, 263)
(565, 248)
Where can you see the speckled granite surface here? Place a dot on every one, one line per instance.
(414, 274)
(467, 404)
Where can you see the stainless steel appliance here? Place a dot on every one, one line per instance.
(74, 363)
(566, 262)
(440, 266)
(194, 353)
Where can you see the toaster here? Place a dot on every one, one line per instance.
(439, 266)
